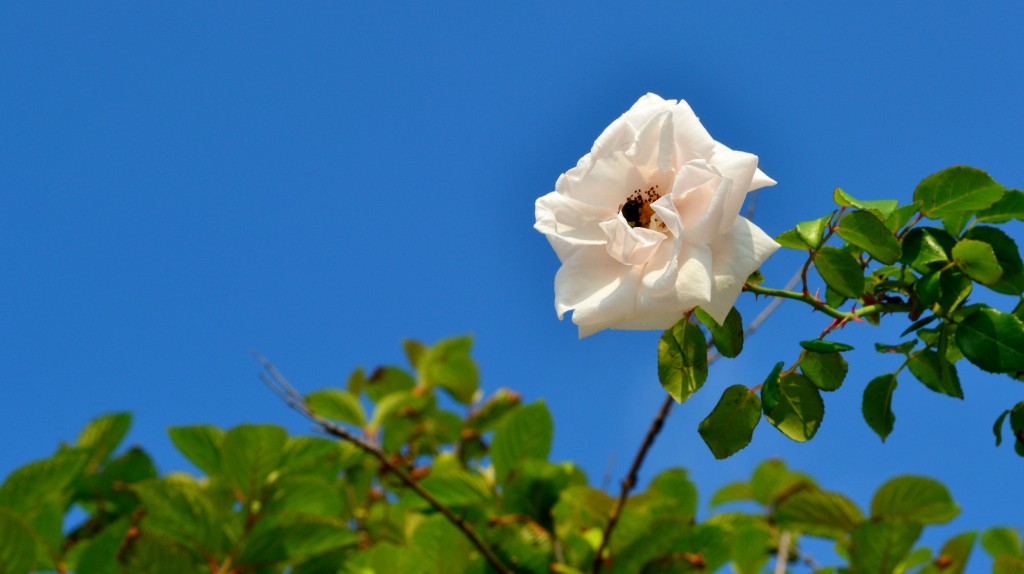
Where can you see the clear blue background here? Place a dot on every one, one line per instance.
(183, 182)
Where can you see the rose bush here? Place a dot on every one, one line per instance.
(647, 224)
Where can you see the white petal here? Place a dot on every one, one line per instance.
(597, 289)
(630, 245)
(761, 180)
(654, 148)
(607, 183)
(740, 167)
(621, 134)
(699, 197)
(736, 254)
(569, 224)
(692, 140)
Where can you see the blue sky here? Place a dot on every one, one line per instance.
(183, 182)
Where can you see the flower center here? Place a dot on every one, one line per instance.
(637, 210)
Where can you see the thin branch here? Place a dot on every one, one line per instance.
(782, 558)
(656, 425)
(283, 389)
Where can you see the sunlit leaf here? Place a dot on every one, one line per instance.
(525, 434)
(913, 499)
(799, 410)
(992, 340)
(730, 425)
(865, 230)
(840, 271)
(957, 189)
(682, 360)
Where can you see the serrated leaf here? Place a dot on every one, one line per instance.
(799, 410)
(840, 271)
(997, 428)
(992, 340)
(337, 405)
(1002, 541)
(732, 492)
(818, 513)
(200, 444)
(772, 481)
(445, 549)
(978, 260)
(826, 370)
(955, 190)
(900, 217)
(457, 489)
(384, 381)
(936, 373)
(819, 346)
(448, 365)
(728, 337)
(1011, 282)
(878, 547)
(179, 507)
(812, 232)
(791, 240)
(682, 360)
(926, 246)
(102, 435)
(915, 499)
(865, 230)
(770, 387)
(525, 434)
(954, 223)
(249, 454)
(731, 423)
(1011, 206)
(877, 405)
(17, 546)
(883, 207)
(902, 348)
(37, 483)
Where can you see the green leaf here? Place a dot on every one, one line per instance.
(1011, 206)
(457, 489)
(525, 434)
(682, 360)
(200, 444)
(878, 547)
(936, 373)
(102, 435)
(954, 223)
(731, 423)
(770, 387)
(772, 481)
(751, 548)
(819, 346)
(902, 348)
(918, 324)
(1011, 282)
(997, 428)
(99, 554)
(818, 513)
(812, 232)
(955, 190)
(800, 409)
(728, 337)
(915, 499)
(414, 351)
(953, 557)
(37, 483)
(385, 381)
(791, 240)
(1002, 541)
(877, 406)
(274, 542)
(883, 207)
(17, 546)
(900, 217)
(304, 495)
(444, 547)
(992, 340)
(488, 415)
(865, 230)
(448, 365)
(826, 370)
(533, 489)
(249, 454)
(178, 507)
(675, 484)
(337, 405)
(732, 492)
(978, 260)
(956, 287)
(840, 271)
(924, 247)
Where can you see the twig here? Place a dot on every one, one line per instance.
(782, 558)
(283, 389)
(652, 432)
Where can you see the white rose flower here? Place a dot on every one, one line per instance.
(647, 224)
